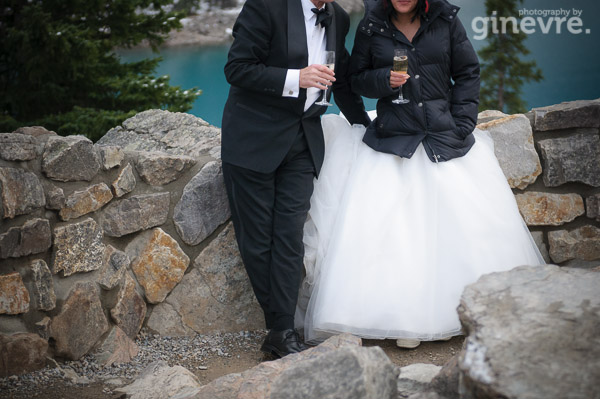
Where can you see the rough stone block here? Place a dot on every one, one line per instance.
(81, 322)
(581, 244)
(203, 206)
(83, 202)
(71, 158)
(571, 159)
(21, 353)
(136, 213)
(116, 348)
(55, 197)
(158, 169)
(21, 192)
(593, 207)
(14, 297)
(43, 294)
(573, 114)
(17, 147)
(546, 209)
(158, 263)
(78, 247)
(114, 266)
(125, 182)
(130, 310)
(32, 238)
(110, 156)
(513, 146)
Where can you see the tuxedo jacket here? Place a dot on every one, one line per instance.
(259, 124)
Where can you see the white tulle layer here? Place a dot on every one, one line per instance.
(392, 242)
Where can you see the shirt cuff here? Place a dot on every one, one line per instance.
(291, 88)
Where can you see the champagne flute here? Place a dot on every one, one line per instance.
(329, 63)
(400, 65)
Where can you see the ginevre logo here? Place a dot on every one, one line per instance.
(529, 21)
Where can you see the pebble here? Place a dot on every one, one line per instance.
(152, 347)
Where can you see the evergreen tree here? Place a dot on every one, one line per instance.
(59, 69)
(503, 72)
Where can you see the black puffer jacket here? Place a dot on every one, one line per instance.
(443, 89)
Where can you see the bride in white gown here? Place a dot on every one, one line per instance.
(409, 211)
(391, 242)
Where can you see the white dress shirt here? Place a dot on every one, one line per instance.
(315, 40)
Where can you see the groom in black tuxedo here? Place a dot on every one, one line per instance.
(272, 142)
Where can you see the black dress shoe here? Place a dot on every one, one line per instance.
(282, 343)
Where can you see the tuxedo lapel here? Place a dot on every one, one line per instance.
(330, 30)
(296, 39)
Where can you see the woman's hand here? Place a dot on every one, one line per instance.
(397, 79)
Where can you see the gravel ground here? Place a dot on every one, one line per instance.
(207, 356)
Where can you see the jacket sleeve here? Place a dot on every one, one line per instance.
(366, 81)
(465, 74)
(245, 65)
(350, 103)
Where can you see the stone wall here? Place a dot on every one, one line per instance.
(129, 231)
(551, 158)
(98, 240)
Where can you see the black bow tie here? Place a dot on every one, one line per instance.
(323, 17)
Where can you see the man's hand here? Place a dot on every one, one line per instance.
(396, 79)
(316, 75)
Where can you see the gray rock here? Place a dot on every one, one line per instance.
(582, 243)
(158, 263)
(158, 168)
(203, 205)
(55, 197)
(43, 294)
(568, 115)
(21, 353)
(114, 266)
(513, 146)
(490, 115)
(415, 378)
(81, 322)
(164, 131)
(21, 192)
(538, 238)
(125, 182)
(42, 328)
(33, 237)
(571, 159)
(136, 213)
(338, 368)
(116, 347)
(71, 158)
(351, 373)
(14, 297)
(78, 248)
(532, 333)
(446, 382)
(110, 156)
(159, 381)
(130, 310)
(85, 201)
(35, 131)
(593, 207)
(214, 296)
(17, 147)
(547, 209)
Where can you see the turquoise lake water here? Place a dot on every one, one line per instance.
(570, 62)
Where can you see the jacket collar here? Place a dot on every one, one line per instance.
(297, 49)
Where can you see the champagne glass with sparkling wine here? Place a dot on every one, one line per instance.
(400, 65)
(329, 63)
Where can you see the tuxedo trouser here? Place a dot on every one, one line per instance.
(268, 211)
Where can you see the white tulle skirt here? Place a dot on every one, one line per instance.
(392, 242)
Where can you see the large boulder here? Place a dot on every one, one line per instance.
(203, 205)
(159, 168)
(80, 323)
(135, 213)
(513, 146)
(163, 131)
(532, 333)
(214, 296)
(21, 353)
(17, 147)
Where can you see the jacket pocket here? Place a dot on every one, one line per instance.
(253, 110)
